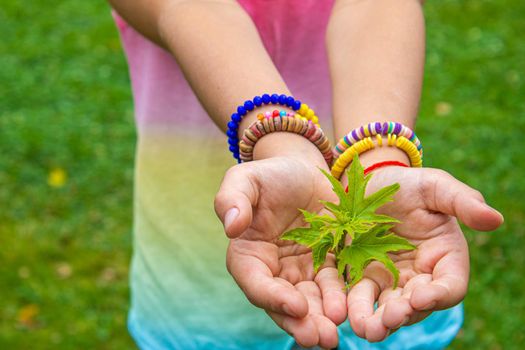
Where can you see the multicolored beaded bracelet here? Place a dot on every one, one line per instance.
(302, 110)
(366, 144)
(376, 128)
(283, 121)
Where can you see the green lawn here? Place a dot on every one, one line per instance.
(66, 166)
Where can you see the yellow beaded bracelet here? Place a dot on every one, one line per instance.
(367, 144)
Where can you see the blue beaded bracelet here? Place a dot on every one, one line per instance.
(258, 101)
(302, 110)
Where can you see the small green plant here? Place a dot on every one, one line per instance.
(354, 217)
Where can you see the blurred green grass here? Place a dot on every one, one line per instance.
(65, 108)
(64, 104)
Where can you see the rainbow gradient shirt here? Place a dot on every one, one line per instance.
(182, 297)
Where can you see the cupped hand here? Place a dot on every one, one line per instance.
(435, 275)
(257, 202)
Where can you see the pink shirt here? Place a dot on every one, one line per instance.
(162, 95)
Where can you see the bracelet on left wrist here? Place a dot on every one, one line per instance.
(281, 122)
(302, 110)
(283, 144)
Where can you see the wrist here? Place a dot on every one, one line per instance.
(381, 154)
(286, 144)
(377, 155)
(251, 116)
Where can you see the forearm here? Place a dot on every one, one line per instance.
(221, 54)
(216, 45)
(376, 52)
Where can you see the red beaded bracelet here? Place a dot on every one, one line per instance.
(381, 165)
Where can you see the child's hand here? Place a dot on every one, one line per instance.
(433, 277)
(278, 275)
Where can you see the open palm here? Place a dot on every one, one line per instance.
(435, 275)
(257, 203)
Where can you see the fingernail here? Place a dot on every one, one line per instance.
(494, 210)
(500, 214)
(230, 217)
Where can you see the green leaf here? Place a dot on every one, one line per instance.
(338, 236)
(320, 249)
(317, 220)
(303, 235)
(370, 246)
(314, 239)
(334, 209)
(355, 217)
(308, 216)
(371, 203)
(338, 189)
(378, 218)
(356, 185)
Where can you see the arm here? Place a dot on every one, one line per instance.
(223, 75)
(219, 50)
(376, 52)
(220, 71)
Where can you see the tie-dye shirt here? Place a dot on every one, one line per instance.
(182, 297)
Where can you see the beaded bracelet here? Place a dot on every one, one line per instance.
(366, 144)
(373, 129)
(302, 109)
(287, 122)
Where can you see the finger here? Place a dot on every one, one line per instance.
(390, 297)
(444, 193)
(333, 292)
(449, 284)
(389, 294)
(327, 330)
(375, 330)
(361, 299)
(253, 265)
(440, 294)
(398, 310)
(304, 330)
(233, 203)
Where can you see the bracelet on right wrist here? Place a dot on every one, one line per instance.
(373, 129)
(360, 141)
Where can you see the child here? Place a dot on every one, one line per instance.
(217, 54)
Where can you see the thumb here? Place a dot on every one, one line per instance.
(446, 194)
(233, 202)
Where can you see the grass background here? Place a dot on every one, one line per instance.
(66, 165)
